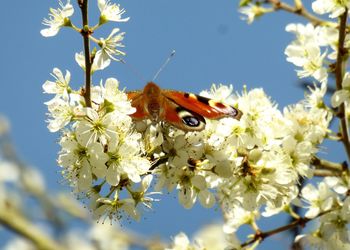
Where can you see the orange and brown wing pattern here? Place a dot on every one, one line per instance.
(137, 101)
(182, 110)
(181, 117)
(202, 105)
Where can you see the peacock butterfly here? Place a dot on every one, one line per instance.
(182, 110)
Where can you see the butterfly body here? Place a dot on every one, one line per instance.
(183, 110)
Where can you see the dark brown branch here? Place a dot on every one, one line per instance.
(85, 32)
(260, 236)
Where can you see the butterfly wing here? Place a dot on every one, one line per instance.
(202, 105)
(137, 101)
(181, 117)
(182, 110)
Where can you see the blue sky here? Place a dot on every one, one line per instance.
(212, 46)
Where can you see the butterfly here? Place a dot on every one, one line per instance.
(182, 110)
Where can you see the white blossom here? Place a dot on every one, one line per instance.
(340, 185)
(342, 95)
(94, 128)
(108, 237)
(181, 242)
(252, 11)
(209, 237)
(316, 240)
(19, 243)
(334, 224)
(82, 161)
(80, 60)
(213, 237)
(57, 19)
(61, 111)
(334, 7)
(110, 12)
(320, 199)
(308, 57)
(306, 52)
(236, 217)
(125, 160)
(61, 84)
(109, 49)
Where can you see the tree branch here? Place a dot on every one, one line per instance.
(322, 164)
(325, 173)
(85, 32)
(298, 10)
(13, 220)
(260, 236)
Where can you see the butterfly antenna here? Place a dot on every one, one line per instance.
(164, 65)
(133, 70)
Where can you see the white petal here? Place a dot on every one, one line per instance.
(52, 31)
(84, 178)
(199, 182)
(187, 197)
(312, 212)
(102, 60)
(309, 192)
(346, 80)
(206, 198)
(339, 97)
(146, 182)
(113, 176)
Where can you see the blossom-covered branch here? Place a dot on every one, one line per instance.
(342, 57)
(250, 167)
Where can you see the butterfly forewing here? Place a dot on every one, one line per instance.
(202, 105)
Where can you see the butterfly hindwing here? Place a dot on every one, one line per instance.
(202, 105)
(137, 101)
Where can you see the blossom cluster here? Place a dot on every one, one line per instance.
(109, 46)
(319, 51)
(99, 146)
(249, 167)
(101, 156)
(246, 164)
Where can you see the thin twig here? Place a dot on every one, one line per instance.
(295, 213)
(328, 165)
(260, 236)
(300, 11)
(85, 32)
(325, 173)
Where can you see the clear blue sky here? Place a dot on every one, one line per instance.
(212, 46)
